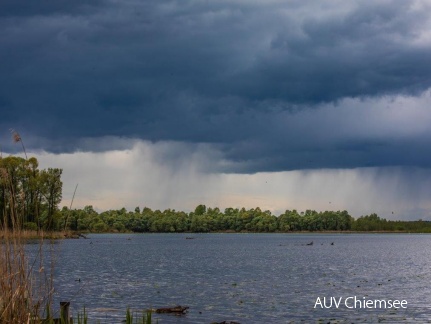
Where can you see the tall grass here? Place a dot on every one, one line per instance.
(82, 317)
(144, 318)
(26, 287)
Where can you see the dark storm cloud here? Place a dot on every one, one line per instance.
(16, 8)
(237, 74)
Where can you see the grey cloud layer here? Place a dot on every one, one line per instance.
(265, 82)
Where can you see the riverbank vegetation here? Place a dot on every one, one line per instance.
(29, 200)
(27, 196)
(204, 220)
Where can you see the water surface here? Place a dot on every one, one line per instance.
(249, 278)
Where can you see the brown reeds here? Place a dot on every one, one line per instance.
(26, 287)
(17, 138)
(20, 282)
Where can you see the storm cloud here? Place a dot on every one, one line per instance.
(270, 85)
(169, 104)
(146, 175)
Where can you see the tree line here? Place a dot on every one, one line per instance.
(204, 220)
(30, 198)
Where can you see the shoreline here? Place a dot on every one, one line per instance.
(251, 232)
(60, 235)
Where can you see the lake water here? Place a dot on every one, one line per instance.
(248, 278)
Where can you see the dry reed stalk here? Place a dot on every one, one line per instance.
(15, 287)
(17, 138)
(28, 235)
(26, 289)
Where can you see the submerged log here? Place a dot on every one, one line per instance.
(177, 309)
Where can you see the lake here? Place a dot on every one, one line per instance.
(248, 278)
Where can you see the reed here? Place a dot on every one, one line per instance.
(129, 316)
(26, 287)
(82, 317)
(28, 235)
(145, 318)
(16, 137)
(148, 319)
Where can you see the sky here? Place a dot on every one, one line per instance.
(296, 104)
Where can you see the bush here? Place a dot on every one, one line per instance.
(30, 226)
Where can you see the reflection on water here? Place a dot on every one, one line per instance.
(249, 278)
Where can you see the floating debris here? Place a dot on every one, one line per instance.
(177, 310)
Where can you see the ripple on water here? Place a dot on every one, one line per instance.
(250, 278)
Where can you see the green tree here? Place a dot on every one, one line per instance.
(52, 192)
(200, 210)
